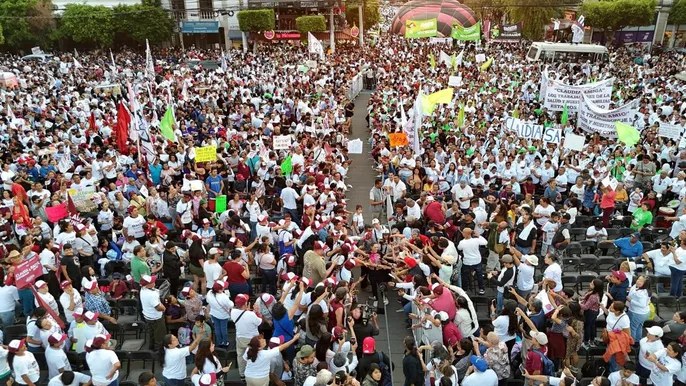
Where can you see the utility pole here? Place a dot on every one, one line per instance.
(332, 27)
(243, 35)
(360, 8)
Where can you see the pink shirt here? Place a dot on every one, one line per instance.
(608, 200)
(445, 302)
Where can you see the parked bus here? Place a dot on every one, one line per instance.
(566, 52)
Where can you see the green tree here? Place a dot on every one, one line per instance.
(535, 16)
(2, 36)
(256, 20)
(314, 23)
(371, 13)
(17, 29)
(678, 14)
(487, 9)
(612, 15)
(88, 24)
(140, 22)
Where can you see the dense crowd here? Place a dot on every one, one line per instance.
(476, 229)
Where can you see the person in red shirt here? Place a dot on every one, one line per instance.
(451, 334)
(433, 210)
(153, 222)
(534, 361)
(237, 273)
(119, 288)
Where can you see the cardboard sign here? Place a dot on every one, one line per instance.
(282, 142)
(574, 142)
(220, 204)
(26, 273)
(83, 198)
(480, 58)
(197, 185)
(670, 131)
(205, 154)
(398, 139)
(355, 146)
(455, 81)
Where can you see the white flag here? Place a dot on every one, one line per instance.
(458, 58)
(445, 58)
(77, 64)
(149, 65)
(224, 65)
(403, 117)
(10, 114)
(315, 46)
(113, 65)
(76, 53)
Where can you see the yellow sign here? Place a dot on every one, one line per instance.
(207, 153)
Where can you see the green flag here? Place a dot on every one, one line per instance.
(453, 61)
(167, 125)
(432, 60)
(515, 113)
(565, 115)
(627, 133)
(460, 116)
(287, 166)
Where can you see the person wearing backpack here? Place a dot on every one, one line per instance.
(371, 356)
(537, 362)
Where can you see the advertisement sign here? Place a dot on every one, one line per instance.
(200, 27)
(557, 94)
(472, 33)
(529, 130)
(594, 119)
(421, 28)
(504, 33)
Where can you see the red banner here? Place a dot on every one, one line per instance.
(56, 213)
(26, 273)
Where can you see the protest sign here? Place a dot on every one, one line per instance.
(282, 142)
(594, 119)
(440, 40)
(311, 63)
(83, 198)
(355, 146)
(556, 94)
(529, 130)
(27, 272)
(56, 213)
(455, 81)
(472, 33)
(480, 58)
(421, 28)
(670, 131)
(574, 142)
(504, 33)
(398, 139)
(220, 204)
(682, 143)
(197, 185)
(205, 154)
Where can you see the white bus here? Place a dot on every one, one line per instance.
(566, 52)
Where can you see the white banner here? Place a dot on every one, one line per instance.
(455, 81)
(670, 131)
(282, 142)
(574, 142)
(594, 119)
(355, 146)
(440, 40)
(480, 58)
(556, 94)
(529, 130)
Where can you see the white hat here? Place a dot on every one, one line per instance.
(533, 259)
(656, 331)
(540, 337)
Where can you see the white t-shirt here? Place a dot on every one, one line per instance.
(616, 379)
(185, 210)
(525, 277)
(135, 226)
(554, 273)
(150, 298)
(660, 262)
(646, 347)
(9, 296)
(246, 327)
(56, 359)
(213, 271)
(664, 378)
(65, 300)
(640, 301)
(47, 257)
(501, 324)
(470, 249)
(545, 212)
(306, 300)
(289, 197)
(25, 365)
(614, 322)
(260, 368)
(4, 366)
(487, 378)
(100, 363)
(219, 304)
(175, 363)
(79, 379)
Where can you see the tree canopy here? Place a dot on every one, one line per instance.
(613, 15)
(256, 20)
(88, 24)
(371, 14)
(535, 17)
(143, 21)
(678, 14)
(314, 23)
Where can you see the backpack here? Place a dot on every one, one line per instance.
(548, 366)
(385, 372)
(184, 335)
(593, 368)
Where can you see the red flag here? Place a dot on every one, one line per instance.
(91, 123)
(327, 148)
(47, 307)
(122, 128)
(71, 207)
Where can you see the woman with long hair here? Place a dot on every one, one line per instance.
(505, 324)
(220, 309)
(197, 256)
(575, 329)
(283, 317)
(315, 324)
(462, 357)
(638, 301)
(173, 359)
(667, 363)
(87, 276)
(175, 313)
(590, 305)
(206, 361)
(23, 364)
(323, 350)
(413, 364)
(258, 359)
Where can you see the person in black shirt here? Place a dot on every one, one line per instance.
(412, 364)
(71, 269)
(363, 328)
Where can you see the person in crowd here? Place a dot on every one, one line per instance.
(173, 358)
(153, 310)
(246, 320)
(220, 310)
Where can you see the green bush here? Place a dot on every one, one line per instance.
(256, 20)
(305, 24)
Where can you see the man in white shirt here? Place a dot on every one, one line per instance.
(71, 300)
(184, 211)
(153, 310)
(55, 356)
(471, 261)
(526, 267)
(658, 260)
(289, 198)
(625, 377)
(246, 321)
(662, 183)
(70, 378)
(651, 343)
(133, 225)
(462, 194)
(397, 189)
(413, 209)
